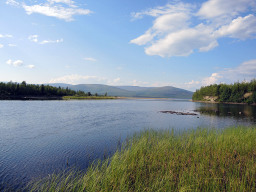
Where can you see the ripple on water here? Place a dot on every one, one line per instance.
(40, 137)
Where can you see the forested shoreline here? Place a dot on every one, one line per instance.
(244, 92)
(24, 91)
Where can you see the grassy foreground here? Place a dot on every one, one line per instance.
(201, 160)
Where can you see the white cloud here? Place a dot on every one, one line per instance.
(143, 39)
(175, 33)
(55, 9)
(117, 80)
(30, 66)
(61, 9)
(216, 8)
(12, 2)
(214, 78)
(51, 41)
(193, 82)
(80, 79)
(5, 36)
(139, 83)
(159, 84)
(114, 82)
(33, 38)
(245, 71)
(240, 28)
(16, 63)
(9, 62)
(183, 42)
(76, 79)
(171, 22)
(162, 25)
(1, 46)
(90, 59)
(68, 2)
(170, 8)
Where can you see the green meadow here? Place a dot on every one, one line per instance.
(195, 160)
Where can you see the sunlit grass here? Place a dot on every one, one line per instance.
(200, 160)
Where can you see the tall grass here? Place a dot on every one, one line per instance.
(200, 160)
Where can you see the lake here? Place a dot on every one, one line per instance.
(38, 138)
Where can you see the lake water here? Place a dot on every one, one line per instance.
(38, 138)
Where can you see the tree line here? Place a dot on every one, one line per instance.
(11, 89)
(244, 92)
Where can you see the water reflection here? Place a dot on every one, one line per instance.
(38, 138)
(225, 110)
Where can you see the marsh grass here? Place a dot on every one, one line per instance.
(199, 160)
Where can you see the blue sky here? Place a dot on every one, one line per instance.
(186, 44)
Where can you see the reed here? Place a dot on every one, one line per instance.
(198, 160)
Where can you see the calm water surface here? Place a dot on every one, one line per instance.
(38, 138)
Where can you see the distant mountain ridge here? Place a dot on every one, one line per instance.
(131, 91)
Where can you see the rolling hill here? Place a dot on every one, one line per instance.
(165, 92)
(131, 91)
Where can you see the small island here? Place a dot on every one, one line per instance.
(24, 91)
(237, 93)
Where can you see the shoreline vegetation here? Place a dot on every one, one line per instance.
(88, 97)
(194, 160)
(24, 91)
(237, 93)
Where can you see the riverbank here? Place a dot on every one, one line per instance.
(200, 160)
(56, 98)
(236, 93)
(88, 97)
(217, 102)
(25, 98)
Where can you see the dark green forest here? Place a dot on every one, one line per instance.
(244, 92)
(13, 90)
